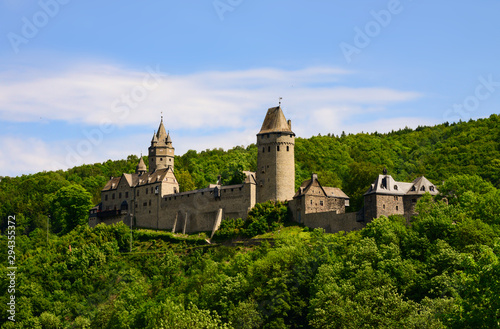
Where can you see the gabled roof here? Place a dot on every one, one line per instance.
(156, 176)
(313, 187)
(335, 192)
(421, 185)
(133, 180)
(275, 121)
(112, 184)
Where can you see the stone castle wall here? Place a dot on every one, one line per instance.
(332, 222)
(188, 212)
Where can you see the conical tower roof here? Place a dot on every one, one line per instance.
(169, 139)
(154, 139)
(161, 135)
(275, 121)
(141, 166)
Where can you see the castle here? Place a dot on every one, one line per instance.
(152, 198)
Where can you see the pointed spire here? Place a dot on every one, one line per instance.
(169, 139)
(154, 139)
(141, 167)
(161, 135)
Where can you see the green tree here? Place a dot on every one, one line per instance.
(70, 207)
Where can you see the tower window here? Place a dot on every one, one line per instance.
(278, 148)
(126, 195)
(321, 203)
(269, 149)
(383, 206)
(397, 208)
(288, 148)
(113, 196)
(120, 195)
(263, 149)
(106, 197)
(161, 159)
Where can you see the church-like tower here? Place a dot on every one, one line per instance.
(161, 151)
(276, 158)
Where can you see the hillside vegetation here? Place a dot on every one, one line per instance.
(442, 271)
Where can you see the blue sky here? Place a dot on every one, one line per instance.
(87, 81)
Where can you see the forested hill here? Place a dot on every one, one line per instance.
(442, 271)
(350, 162)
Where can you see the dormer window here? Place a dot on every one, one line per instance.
(413, 188)
(431, 188)
(422, 188)
(396, 187)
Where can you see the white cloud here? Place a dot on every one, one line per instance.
(93, 93)
(225, 108)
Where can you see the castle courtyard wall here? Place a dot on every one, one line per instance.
(332, 222)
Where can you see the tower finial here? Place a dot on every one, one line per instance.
(280, 101)
(161, 116)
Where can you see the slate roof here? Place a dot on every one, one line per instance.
(135, 179)
(141, 166)
(335, 192)
(275, 121)
(305, 187)
(385, 184)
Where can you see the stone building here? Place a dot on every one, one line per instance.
(387, 197)
(312, 197)
(151, 198)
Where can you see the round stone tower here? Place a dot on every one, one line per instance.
(276, 158)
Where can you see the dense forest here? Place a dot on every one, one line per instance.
(442, 271)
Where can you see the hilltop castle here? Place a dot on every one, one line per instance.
(151, 198)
